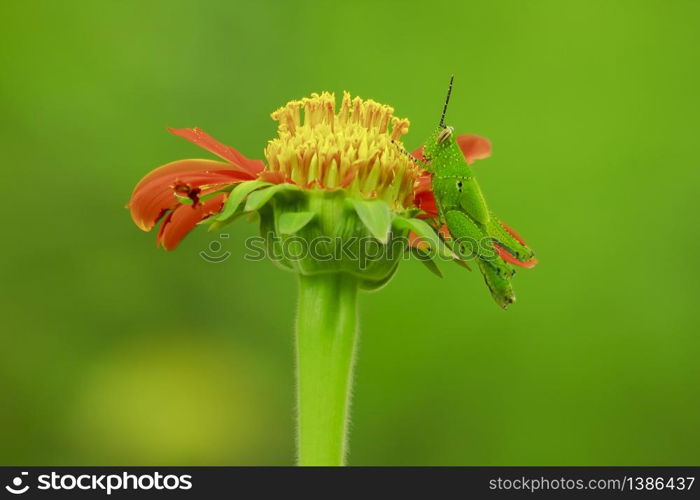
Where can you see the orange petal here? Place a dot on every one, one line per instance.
(184, 218)
(426, 202)
(474, 147)
(273, 177)
(418, 154)
(423, 183)
(204, 140)
(445, 232)
(154, 195)
(423, 197)
(505, 255)
(416, 241)
(513, 233)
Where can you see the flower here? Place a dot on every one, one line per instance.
(357, 149)
(177, 192)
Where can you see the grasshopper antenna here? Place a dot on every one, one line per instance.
(447, 101)
(410, 156)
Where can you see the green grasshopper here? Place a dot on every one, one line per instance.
(475, 230)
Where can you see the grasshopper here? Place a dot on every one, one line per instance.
(475, 231)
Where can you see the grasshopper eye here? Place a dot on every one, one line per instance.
(445, 134)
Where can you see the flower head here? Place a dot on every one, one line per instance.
(354, 148)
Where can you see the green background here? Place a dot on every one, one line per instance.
(115, 352)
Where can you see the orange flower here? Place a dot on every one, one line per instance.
(186, 192)
(352, 149)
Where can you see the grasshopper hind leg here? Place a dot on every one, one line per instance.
(470, 240)
(513, 245)
(500, 288)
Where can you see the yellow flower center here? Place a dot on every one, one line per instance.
(357, 148)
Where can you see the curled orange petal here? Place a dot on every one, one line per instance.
(204, 140)
(505, 255)
(184, 218)
(154, 195)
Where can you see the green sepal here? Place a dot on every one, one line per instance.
(291, 222)
(217, 225)
(267, 227)
(462, 263)
(376, 216)
(425, 231)
(259, 198)
(184, 199)
(450, 254)
(373, 286)
(425, 259)
(421, 228)
(236, 197)
(411, 212)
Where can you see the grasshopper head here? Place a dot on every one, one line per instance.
(443, 135)
(438, 142)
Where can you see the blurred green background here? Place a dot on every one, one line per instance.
(115, 352)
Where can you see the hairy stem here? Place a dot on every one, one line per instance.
(325, 348)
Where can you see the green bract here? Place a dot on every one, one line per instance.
(319, 231)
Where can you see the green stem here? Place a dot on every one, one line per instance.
(325, 349)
